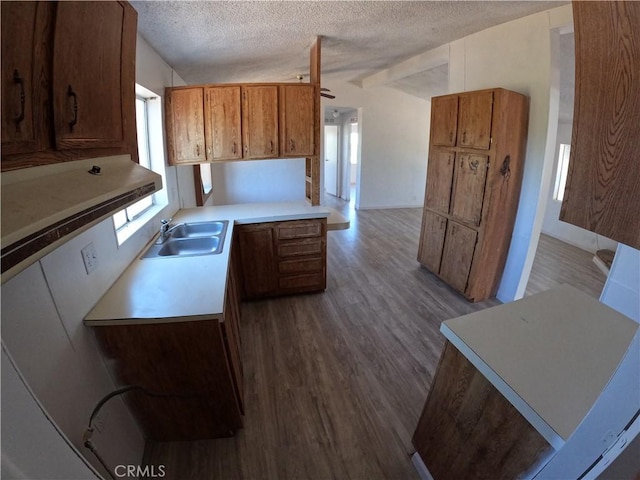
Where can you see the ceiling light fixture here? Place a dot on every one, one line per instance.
(336, 114)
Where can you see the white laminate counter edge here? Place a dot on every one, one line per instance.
(523, 407)
(150, 321)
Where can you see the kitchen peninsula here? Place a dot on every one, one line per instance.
(171, 324)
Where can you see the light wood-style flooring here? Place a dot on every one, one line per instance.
(335, 382)
(557, 262)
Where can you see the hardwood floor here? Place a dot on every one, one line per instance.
(557, 262)
(335, 382)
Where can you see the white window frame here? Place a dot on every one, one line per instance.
(561, 173)
(149, 132)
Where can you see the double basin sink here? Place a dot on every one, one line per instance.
(190, 239)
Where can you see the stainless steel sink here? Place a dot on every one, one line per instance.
(199, 229)
(190, 239)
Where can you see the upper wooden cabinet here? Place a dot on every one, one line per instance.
(184, 119)
(476, 157)
(297, 120)
(260, 121)
(24, 25)
(208, 123)
(93, 74)
(603, 185)
(68, 81)
(222, 123)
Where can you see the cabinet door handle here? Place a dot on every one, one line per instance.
(271, 142)
(450, 137)
(233, 149)
(292, 145)
(473, 165)
(74, 120)
(20, 81)
(197, 150)
(464, 137)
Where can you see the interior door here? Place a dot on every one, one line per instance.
(331, 159)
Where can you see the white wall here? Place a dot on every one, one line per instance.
(622, 289)
(252, 181)
(43, 308)
(394, 129)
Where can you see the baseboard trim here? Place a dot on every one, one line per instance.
(387, 207)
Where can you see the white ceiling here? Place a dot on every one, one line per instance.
(253, 41)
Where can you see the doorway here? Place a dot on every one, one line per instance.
(341, 152)
(331, 159)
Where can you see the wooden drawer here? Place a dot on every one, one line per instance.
(293, 248)
(303, 283)
(302, 265)
(299, 229)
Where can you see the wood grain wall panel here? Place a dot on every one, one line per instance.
(603, 185)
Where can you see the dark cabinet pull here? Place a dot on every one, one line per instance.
(292, 145)
(197, 150)
(20, 81)
(271, 142)
(233, 149)
(464, 137)
(74, 120)
(473, 165)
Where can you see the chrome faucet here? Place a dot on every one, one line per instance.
(165, 229)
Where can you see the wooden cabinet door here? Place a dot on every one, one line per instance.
(439, 179)
(468, 189)
(474, 120)
(602, 193)
(297, 120)
(231, 335)
(23, 32)
(260, 121)
(444, 120)
(185, 126)
(222, 123)
(93, 74)
(432, 236)
(459, 246)
(258, 258)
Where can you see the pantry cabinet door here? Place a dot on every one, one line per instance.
(444, 120)
(439, 179)
(432, 236)
(457, 256)
(469, 185)
(474, 120)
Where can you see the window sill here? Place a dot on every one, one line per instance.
(132, 227)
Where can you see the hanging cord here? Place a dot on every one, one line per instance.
(88, 443)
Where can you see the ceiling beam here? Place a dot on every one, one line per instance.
(419, 63)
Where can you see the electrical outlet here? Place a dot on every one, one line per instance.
(90, 258)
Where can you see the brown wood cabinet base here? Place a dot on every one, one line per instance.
(282, 258)
(469, 430)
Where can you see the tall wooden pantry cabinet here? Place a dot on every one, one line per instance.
(474, 173)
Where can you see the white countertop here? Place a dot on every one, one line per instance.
(171, 289)
(550, 355)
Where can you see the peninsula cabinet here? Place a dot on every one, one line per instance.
(603, 183)
(68, 88)
(196, 364)
(282, 258)
(474, 174)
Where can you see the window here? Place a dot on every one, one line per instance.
(149, 127)
(563, 169)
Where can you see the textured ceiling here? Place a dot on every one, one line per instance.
(247, 41)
